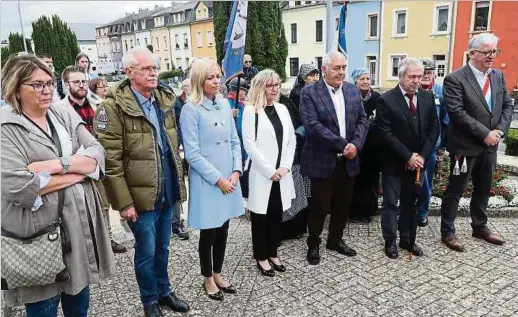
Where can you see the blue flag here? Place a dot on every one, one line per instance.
(342, 43)
(235, 41)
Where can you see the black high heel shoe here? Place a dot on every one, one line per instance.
(269, 273)
(230, 289)
(279, 268)
(216, 296)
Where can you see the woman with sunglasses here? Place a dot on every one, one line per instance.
(49, 161)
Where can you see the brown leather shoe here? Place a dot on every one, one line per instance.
(453, 243)
(486, 234)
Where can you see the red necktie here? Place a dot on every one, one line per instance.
(486, 86)
(413, 108)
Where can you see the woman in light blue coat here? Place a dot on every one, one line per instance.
(212, 149)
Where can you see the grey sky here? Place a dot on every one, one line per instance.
(69, 11)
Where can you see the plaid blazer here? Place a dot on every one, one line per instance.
(323, 141)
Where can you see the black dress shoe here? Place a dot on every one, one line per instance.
(341, 248)
(313, 256)
(216, 296)
(117, 247)
(423, 221)
(416, 250)
(279, 268)
(269, 273)
(391, 249)
(174, 303)
(152, 311)
(230, 289)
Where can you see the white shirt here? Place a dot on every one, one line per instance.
(481, 79)
(337, 96)
(408, 99)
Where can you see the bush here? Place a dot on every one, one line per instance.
(511, 142)
(170, 74)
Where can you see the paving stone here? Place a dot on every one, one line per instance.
(482, 281)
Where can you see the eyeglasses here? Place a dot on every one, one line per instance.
(147, 69)
(248, 62)
(271, 86)
(39, 86)
(495, 52)
(78, 83)
(100, 87)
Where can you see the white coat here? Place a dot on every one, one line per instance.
(263, 154)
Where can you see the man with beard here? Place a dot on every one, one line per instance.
(480, 111)
(428, 83)
(336, 126)
(77, 85)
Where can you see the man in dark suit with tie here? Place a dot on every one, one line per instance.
(336, 126)
(480, 111)
(408, 125)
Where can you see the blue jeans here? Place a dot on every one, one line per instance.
(73, 305)
(428, 185)
(152, 232)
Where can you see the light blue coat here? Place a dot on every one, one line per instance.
(212, 149)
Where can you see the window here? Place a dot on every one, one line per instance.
(185, 41)
(307, 2)
(481, 18)
(157, 43)
(176, 39)
(143, 24)
(442, 18)
(337, 24)
(138, 42)
(373, 25)
(319, 65)
(297, 3)
(400, 21)
(145, 40)
(440, 64)
(394, 65)
(209, 38)
(294, 33)
(165, 41)
(318, 30)
(200, 39)
(372, 66)
(178, 62)
(167, 64)
(187, 62)
(126, 45)
(294, 66)
(131, 44)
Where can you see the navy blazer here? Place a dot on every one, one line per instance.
(323, 140)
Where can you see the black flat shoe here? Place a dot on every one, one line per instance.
(216, 296)
(279, 268)
(230, 289)
(269, 273)
(174, 303)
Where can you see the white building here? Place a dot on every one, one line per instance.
(104, 63)
(85, 33)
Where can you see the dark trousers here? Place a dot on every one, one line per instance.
(212, 245)
(402, 188)
(365, 198)
(72, 305)
(266, 228)
(428, 184)
(481, 169)
(330, 196)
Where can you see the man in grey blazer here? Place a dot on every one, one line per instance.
(480, 111)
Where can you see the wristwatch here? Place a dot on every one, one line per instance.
(65, 164)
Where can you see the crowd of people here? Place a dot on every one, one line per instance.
(71, 148)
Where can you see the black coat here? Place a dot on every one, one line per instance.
(401, 132)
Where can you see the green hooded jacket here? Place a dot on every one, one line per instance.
(134, 174)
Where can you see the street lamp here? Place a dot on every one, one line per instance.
(21, 25)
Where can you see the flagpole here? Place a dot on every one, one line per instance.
(330, 27)
(21, 25)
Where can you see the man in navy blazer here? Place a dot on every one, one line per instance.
(336, 126)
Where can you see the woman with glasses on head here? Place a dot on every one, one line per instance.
(49, 161)
(269, 140)
(214, 155)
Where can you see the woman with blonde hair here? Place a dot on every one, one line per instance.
(49, 161)
(213, 151)
(267, 123)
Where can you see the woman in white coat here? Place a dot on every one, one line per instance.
(271, 147)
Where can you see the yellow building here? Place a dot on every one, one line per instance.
(414, 29)
(160, 39)
(202, 31)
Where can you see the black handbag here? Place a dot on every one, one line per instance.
(245, 177)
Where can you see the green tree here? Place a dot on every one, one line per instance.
(15, 46)
(265, 38)
(53, 36)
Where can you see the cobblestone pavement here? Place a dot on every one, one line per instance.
(483, 281)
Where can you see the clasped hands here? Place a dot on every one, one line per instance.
(493, 138)
(279, 173)
(350, 151)
(416, 161)
(228, 186)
